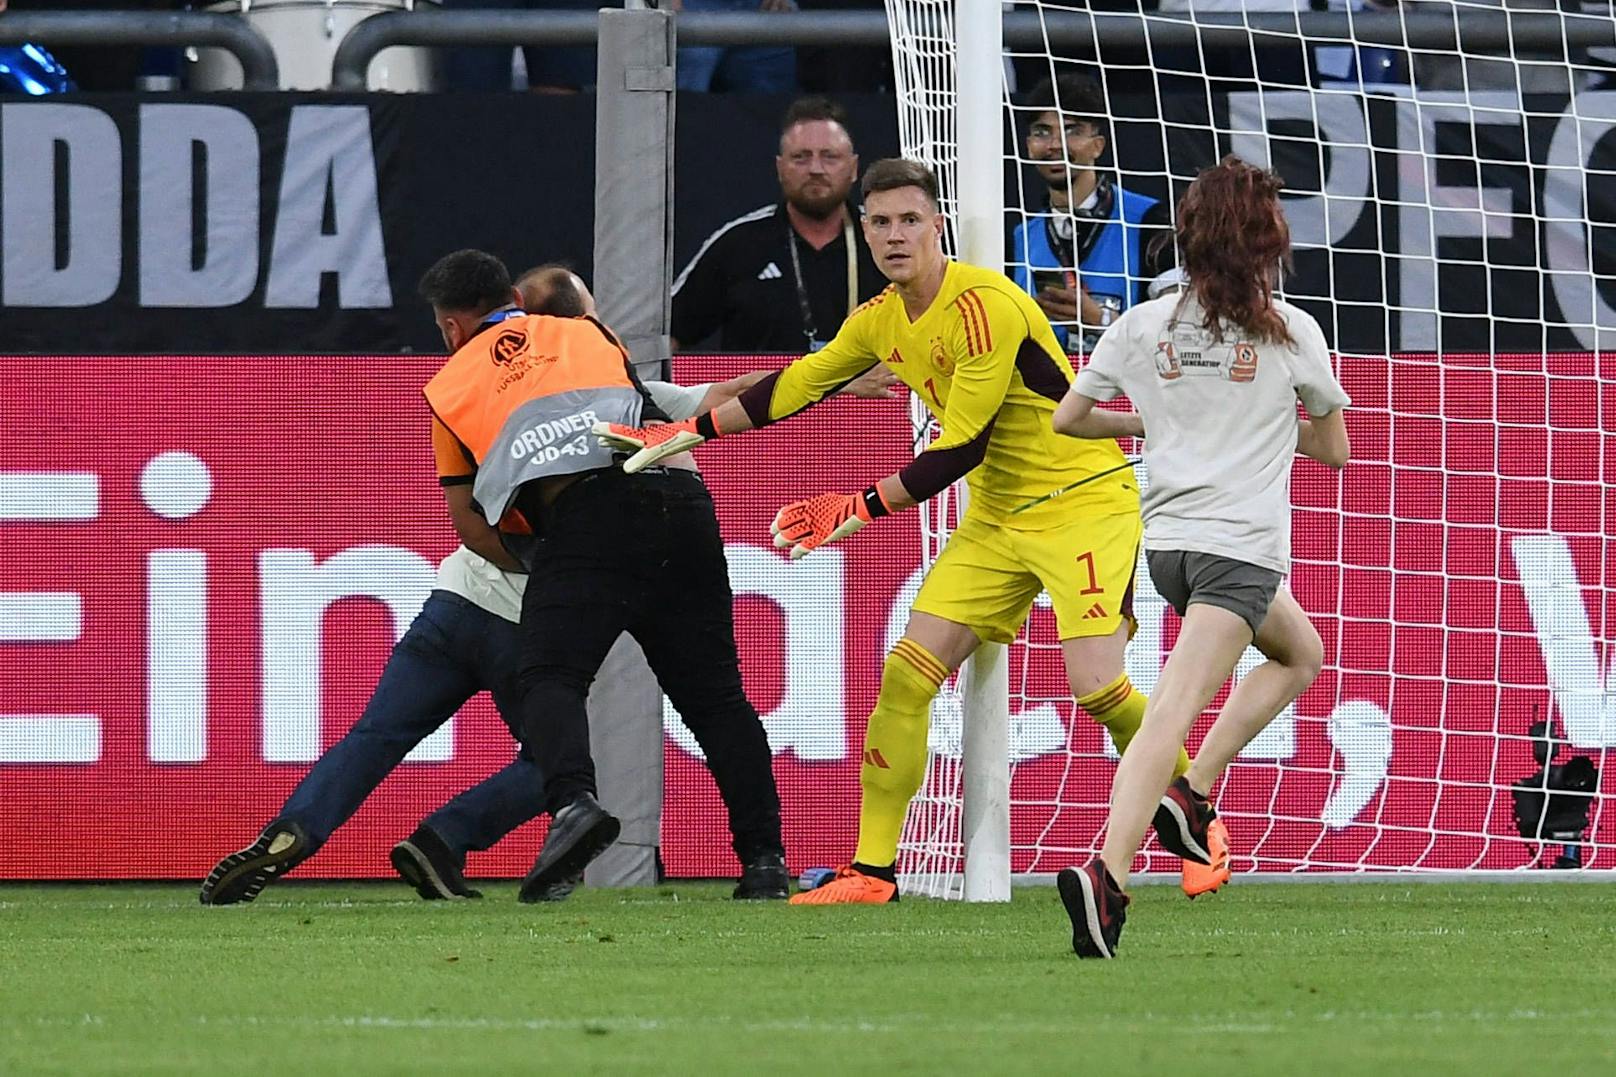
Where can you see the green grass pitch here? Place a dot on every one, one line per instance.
(1284, 979)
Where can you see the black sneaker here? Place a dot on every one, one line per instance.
(579, 832)
(240, 876)
(425, 861)
(1097, 907)
(763, 878)
(1181, 821)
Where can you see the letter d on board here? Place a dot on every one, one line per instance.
(36, 138)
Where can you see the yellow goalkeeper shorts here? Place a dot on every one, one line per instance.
(988, 575)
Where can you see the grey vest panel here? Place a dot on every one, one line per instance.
(551, 436)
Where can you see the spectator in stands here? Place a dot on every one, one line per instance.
(783, 277)
(745, 69)
(550, 69)
(1096, 248)
(844, 68)
(1281, 63)
(1517, 68)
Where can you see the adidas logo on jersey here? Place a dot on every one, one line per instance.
(770, 272)
(1095, 610)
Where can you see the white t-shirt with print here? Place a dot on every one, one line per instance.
(483, 583)
(1220, 423)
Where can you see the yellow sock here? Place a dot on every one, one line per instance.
(1120, 709)
(895, 748)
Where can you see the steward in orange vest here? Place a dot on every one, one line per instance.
(640, 554)
(522, 396)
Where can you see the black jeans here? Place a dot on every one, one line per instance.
(641, 554)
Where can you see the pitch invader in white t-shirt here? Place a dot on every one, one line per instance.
(1214, 375)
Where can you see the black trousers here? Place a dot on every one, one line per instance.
(641, 554)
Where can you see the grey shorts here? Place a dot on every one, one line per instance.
(1182, 577)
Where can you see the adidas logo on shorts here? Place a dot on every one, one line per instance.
(1094, 611)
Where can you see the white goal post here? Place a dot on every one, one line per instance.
(1451, 189)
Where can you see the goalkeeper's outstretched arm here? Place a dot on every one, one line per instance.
(977, 389)
(774, 396)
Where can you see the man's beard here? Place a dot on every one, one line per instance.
(820, 207)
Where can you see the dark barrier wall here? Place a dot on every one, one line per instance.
(247, 222)
(244, 223)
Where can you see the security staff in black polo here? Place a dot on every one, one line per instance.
(605, 554)
(782, 278)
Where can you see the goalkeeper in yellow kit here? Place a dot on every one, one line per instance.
(982, 356)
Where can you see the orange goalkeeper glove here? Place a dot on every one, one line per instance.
(657, 442)
(804, 526)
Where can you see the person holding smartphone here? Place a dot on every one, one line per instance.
(1096, 248)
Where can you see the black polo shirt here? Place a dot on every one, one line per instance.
(740, 292)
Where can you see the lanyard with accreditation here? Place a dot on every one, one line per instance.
(809, 330)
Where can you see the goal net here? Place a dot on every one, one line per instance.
(1450, 191)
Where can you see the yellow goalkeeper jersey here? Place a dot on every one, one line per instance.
(987, 364)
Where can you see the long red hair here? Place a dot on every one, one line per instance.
(1233, 238)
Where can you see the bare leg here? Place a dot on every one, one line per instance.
(1092, 662)
(1208, 647)
(1295, 655)
(950, 641)
(1094, 665)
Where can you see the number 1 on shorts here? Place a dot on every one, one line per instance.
(1086, 558)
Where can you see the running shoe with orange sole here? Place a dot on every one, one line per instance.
(1197, 879)
(1189, 828)
(849, 887)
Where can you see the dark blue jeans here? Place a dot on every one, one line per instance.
(453, 650)
(488, 68)
(750, 69)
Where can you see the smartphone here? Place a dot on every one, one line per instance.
(1052, 279)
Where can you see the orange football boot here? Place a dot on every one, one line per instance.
(1206, 878)
(849, 887)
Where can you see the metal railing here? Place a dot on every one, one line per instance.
(1477, 31)
(224, 31)
(1474, 30)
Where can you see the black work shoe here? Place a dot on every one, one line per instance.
(579, 832)
(425, 861)
(241, 875)
(1097, 907)
(556, 891)
(1181, 822)
(763, 878)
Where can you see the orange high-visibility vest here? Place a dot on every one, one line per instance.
(522, 396)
